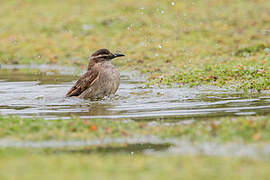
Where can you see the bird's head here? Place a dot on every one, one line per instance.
(104, 55)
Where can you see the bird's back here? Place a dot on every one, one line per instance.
(106, 84)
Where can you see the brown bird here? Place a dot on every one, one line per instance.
(101, 79)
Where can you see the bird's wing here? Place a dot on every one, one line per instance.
(83, 83)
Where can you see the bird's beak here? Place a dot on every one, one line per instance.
(117, 55)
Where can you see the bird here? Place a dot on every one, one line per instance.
(101, 80)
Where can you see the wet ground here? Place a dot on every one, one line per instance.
(40, 92)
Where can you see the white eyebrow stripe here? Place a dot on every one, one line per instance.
(98, 56)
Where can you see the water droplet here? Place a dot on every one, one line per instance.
(132, 153)
(142, 8)
(39, 56)
(156, 54)
(162, 12)
(87, 27)
(267, 50)
(172, 3)
(142, 43)
(159, 46)
(129, 27)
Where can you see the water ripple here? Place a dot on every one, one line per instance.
(43, 95)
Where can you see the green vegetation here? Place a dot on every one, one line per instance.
(213, 42)
(94, 162)
(23, 164)
(216, 42)
(241, 129)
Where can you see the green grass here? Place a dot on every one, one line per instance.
(218, 42)
(23, 164)
(106, 161)
(240, 129)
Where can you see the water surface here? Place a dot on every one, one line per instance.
(39, 91)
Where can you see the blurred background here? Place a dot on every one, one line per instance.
(157, 35)
(198, 108)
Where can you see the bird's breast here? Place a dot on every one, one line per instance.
(109, 79)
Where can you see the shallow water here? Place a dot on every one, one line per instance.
(39, 91)
(146, 145)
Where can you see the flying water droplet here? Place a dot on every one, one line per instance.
(142, 43)
(162, 11)
(142, 8)
(172, 3)
(87, 27)
(159, 46)
(129, 27)
(267, 50)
